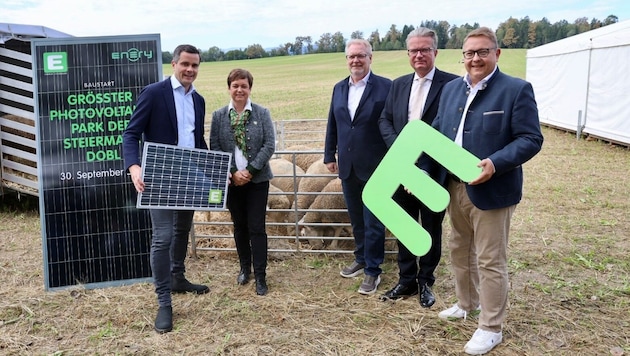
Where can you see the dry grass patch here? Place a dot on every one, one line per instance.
(569, 268)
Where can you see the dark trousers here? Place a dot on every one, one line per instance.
(248, 206)
(368, 230)
(411, 268)
(170, 230)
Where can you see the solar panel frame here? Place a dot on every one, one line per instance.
(183, 178)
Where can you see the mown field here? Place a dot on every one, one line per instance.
(299, 87)
(568, 262)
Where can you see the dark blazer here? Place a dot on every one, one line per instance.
(502, 124)
(154, 120)
(358, 143)
(395, 114)
(261, 142)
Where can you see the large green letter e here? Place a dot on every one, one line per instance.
(398, 167)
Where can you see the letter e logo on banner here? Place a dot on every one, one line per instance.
(55, 62)
(398, 167)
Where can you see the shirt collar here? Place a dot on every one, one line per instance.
(176, 85)
(482, 84)
(248, 106)
(429, 75)
(361, 82)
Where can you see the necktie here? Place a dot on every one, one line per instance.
(416, 103)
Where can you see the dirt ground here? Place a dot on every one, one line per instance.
(568, 264)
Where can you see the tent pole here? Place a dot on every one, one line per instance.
(580, 127)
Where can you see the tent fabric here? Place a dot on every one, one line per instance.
(10, 31)
(581, 83)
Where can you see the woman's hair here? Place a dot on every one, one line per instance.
(239, 73)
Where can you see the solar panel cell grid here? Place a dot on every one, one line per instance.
(183, 178)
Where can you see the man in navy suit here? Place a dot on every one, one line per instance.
(353, 148)
(412, 97)
(494, 116)
(169, 112)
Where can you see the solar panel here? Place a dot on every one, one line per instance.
(182, 178)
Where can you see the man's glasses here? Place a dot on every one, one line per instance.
(360, 56)
(423, 51)
(482, 53)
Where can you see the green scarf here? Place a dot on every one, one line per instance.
(238, 125)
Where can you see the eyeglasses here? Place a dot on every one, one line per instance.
(415, 51)
(482, 53)
(360, 56)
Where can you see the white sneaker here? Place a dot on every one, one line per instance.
(482, 342)
(455, 312)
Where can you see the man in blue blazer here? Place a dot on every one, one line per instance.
(353, 148)
(416, 275)
(495, 117)
(169, 112)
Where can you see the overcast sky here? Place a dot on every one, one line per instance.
(238, 23)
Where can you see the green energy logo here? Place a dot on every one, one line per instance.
(415, 138)
(55, 62)
(132, 54)
(215, 196)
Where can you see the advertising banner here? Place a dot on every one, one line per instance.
(86, 89)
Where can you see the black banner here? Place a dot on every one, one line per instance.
(86, 89)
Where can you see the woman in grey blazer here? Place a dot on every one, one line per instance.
(245, 129)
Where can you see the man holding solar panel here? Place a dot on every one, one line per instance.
(168, 112)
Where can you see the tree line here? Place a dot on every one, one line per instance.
(512, 33)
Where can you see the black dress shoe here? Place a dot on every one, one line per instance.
(400, 291)
(243, 277)
(261, 286)
(164, 320)
(427, 299)
(180, 284)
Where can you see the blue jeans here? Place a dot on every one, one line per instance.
(368, 231)
(168, 248)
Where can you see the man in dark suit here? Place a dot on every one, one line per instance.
(494, 116)
(412, 97)
(353, 148)
(169, 112)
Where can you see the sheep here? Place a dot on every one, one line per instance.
(219, 218)
(219, 222)
(302, 160)
(314, 180)
(326, 201)
(275, 201)
(286, 176)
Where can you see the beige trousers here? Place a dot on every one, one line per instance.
(478, 247)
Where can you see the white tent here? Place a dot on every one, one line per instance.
(582, 83)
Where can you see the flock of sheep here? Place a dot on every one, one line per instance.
(305, 201)
(305, 204)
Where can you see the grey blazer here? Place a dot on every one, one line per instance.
(261, 140)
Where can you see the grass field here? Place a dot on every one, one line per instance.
(299, 87)
(568, 263)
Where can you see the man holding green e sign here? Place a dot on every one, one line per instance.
(495, 117)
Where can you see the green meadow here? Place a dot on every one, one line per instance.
(299, 87)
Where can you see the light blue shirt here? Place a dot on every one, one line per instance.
(185, 110)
